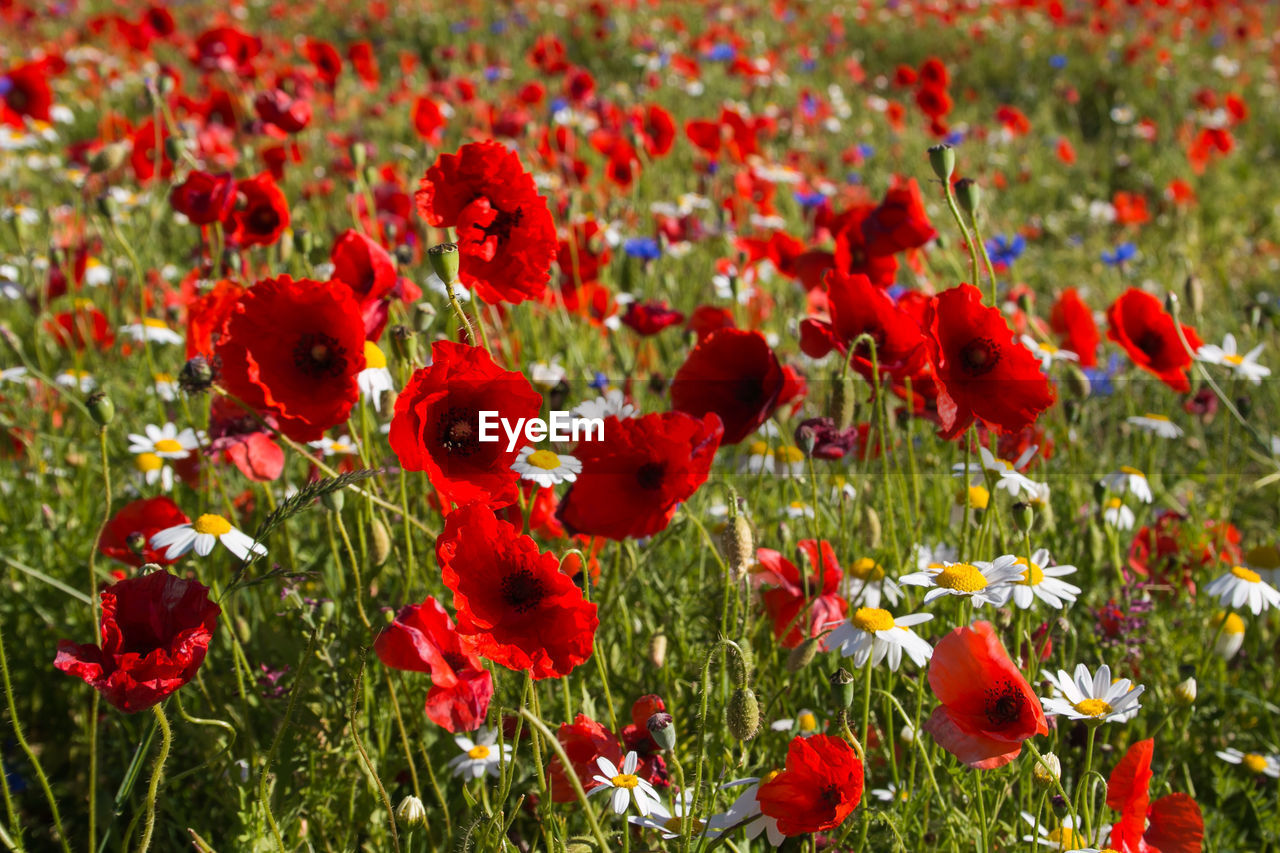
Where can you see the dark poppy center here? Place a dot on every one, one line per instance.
(17, 99)
(458, 434)
(455, 660)
(263, 219)
(1151, 342)
(831, 795)
(979, 356)
(1004, 704)
(317, 354)
(500, 227)
(522, 591)
(749, 391)
(650, 475)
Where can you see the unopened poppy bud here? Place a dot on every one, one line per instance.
(662, 729)
(844, 399)
(1193, 290)
(173, 148)
(410, 813)
(968, 195)
(1077, 382)
(943, 160)
(106, 206)
(1024, 515)
(803, 654)
(1185, 692)
(101, 409)
(742, 716)
(841, 682)
(379, 542)
(738, 545)
(424, 316)
(445, 258)
(658, 650)
(358, 155)
(746, 660)
(243, 630)
(333, 501)
(1171, 303)
(166, 84)
(196, 375)
(579, 845)
(870, 527)
(404, 344)
(137, 543)
(1046, 770)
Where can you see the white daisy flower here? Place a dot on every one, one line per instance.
(546, 467)
(926, 556)
(154, 470)
(890, 793)
(152, 330)
(1229, 637)
(1094, 698)
(15, 374)
(805, 724)
(1255, 762)
(1129, 481)
(166, 441)
(747, 808)
(1157, 424)
(479, 756)
(871, 633)
(866, 584)
(1041, 580)
(1243, 587)
(96, 273)
(1117, 515)
(202, 534)
(375, 379)
(626, 785)
(799, 509)
(613, 403)
(165, 386)
(670, 822)
(983, 583)
(1007, 475)
(547, 375)
(340, 446)
(1066, 836)
(77, 379)
(1047, 352)
(1227, 355)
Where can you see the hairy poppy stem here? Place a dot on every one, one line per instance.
(157, 774)
(93, 610)
(551, 740)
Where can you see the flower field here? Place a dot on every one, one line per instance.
(640, 426)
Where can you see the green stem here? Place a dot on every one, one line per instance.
(157, 774)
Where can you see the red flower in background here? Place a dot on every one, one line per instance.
(857, 307)
(1171, 551)
(156, 631)
(24, 92)
(363, 265)
(821, 786)
(582, 254)
(632, 480)
(293, 349)
(326, 60)
(261, 214)
(899, 222)
(204, 198)
(733, 373)
(428, 120)
(286, 112)
(1172, 824)
(127, 536)
(983, 372)
(987, 709)
(505, 232)
(649, 318)
(245, 442)
(81, 327)
(206, 316)
(854, 256)
(1138, 322)
(423, 639)
(800, 605)
(436, 427)
(1072, 321)
(513, 601)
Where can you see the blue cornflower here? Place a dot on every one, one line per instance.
(644, 248)
(1004, 250)
(1124, 252)
(1100, 384)
(810, 199)
(722, 53)
(1057, 61)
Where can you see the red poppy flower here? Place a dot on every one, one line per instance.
(505, 232)
(1072, 321)
(656, 129)
(857, 307)
(933, 72)
(293, 349)
(423, 639)
(155, 633)
(1138, 322)
(519, 609)
(436, 427)
(225, 48)
(582, 254)
(363, 265)
(149, 148)
(899, 222)
(584, 740)
(821, 786)
(24, 91)
(127, 536)
(632, 480)
(207, 315)
(852, 254)
(81, 327)
(1171, 552)
(649, 318)
(286, 112)
(203, 198)
(983, 372)
(261, 214)
(800, 605)
(428, 120)
(326, 60)
(987, 708)
(933, 101)
(733, 373)
(709, 318)
(1172, 824)
(244, 442)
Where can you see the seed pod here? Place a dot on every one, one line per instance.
(802, 655)
(658, 650)
(101, 409)
(196, 375)
(968, 196)
(738, 545)
(742, 716)
(943, 160)
(445, 258)
(379, 543)
(844, 399)
(841, 682)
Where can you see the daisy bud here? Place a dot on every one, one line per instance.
(968, 195)
(1047, 770)
(444, 258)
(410, 813)
(101, 409)
(658, 650)
(196, 375)
(738, 545)
(1185, 692)
(841, 682)
(907, 735)
(1194, 292)
(943, 160)
(379, 543)
(662, 729)
(802, 655)
(742, 716)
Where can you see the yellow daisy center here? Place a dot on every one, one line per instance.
(1047, 347)
(544, 459)
(1093, 707)
(626, 780)
(169, 445)
(373, 356)
(148, 462)
(789, 455)
(872, 619)
(1233, 358)
(1247, 575)
(807, 721)
(759, 448)
(1032, 575)
(162, 377)
(1064, 837)
(1254, 762)
(1152, 417)
(1114, 503)
(478, 752)
(867, 569)
(212, 525)
(979, 497)
(1134, 472)
(961, 577)
(1234, 624)
(153, 323)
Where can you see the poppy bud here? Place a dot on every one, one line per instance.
(738, 545)
(444, 258)
(803, 654)
(106, 206)
(870, 527)
(943, 160)
(1023, 516)
(333, 501)
(404, 254)
(101, 409)
(841, 682)
(137, 543)
(844, 399)
(410, 813)
(579, 845)
(424, 315)
(968, 196)
(1077, 382)
(1194, 292)
(173, 148)
(379, 542)
(743, 714)
(1185, 692)
(358, 155)
(658, 650)
(404, 344)
(1171, 303)
(1047, 770)
(662, 729)
(1024, 302)
(196, 375)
